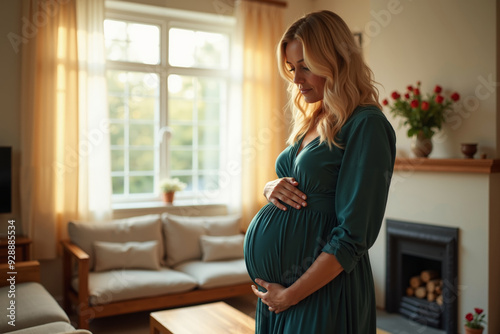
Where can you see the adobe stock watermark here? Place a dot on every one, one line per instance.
(224, 7)
(31, 25)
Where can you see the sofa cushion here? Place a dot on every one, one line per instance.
(128, 255)
(139, 229)
(217, 248)
(58, 327)
(182, 234)
(33, 306)
(117, 285)
(216, 274)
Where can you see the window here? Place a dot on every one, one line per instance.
(167, 95)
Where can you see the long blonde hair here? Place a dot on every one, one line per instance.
(329, 51)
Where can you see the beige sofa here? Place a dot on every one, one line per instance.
(152, 262)
(29, 308)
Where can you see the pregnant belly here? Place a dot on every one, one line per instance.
(281, 245)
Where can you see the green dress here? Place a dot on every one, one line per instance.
(347, 191)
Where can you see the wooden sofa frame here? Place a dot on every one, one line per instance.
(78, 301)
(26, 271)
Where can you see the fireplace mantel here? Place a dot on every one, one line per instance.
(483, 166)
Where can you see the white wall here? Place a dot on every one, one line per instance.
(452, 43)
(10, 84)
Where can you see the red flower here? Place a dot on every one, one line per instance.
(425, 105)
(407, 95)
(438, 89)
(414, 104)
(455, 96)
(410, 88)
(478, 310)
(385, 102)
(439, 99)
(416, 91)
(469, 317)
(395, 95)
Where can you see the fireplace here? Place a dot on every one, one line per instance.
(414, 250)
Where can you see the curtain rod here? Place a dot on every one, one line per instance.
(271, 2)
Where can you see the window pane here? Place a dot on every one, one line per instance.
(180, 86)
(141, 184)
(187, 179)
(116, 50)
(208, 182)
(116, 81)
(116, 107)
(115, 30)
(182, 135)
(190, 48)
(142, 160)
(117, 160)
(209, 88)
(135, 42)
(143, 84)
(181, 160)
(208, 111)
(142, 107)
(118, 185)
(180, 110)
(208, 159)
(141, 134)
(208, 135)
(116, 132)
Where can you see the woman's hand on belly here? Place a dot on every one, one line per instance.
(276, 297)
(285, 190)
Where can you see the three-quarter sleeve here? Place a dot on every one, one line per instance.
(362, 187)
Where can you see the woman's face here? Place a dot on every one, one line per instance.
(311, 86)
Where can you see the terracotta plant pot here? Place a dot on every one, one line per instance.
(469, 330)
(168, 197)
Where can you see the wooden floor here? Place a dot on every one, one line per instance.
(138, 323)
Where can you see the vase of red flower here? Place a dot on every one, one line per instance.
(423, 115)
(474, 321)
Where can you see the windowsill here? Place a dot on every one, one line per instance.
(160, 204)
(184, 207)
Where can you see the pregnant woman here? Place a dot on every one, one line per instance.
(307, 249)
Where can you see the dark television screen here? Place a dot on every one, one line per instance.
(5, 179)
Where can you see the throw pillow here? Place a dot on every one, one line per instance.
(182, 234)
(128, 255)
(138, 229)
(218, 248)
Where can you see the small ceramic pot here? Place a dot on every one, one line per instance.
(469, 149)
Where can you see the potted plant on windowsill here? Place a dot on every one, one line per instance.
(423, 115)
(473, 322)
(169, 187)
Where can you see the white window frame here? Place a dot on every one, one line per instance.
(167, 18)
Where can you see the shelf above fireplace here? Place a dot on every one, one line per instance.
(483, 166)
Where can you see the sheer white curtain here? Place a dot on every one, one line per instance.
(260, 25)
(94, 191)
(49, 127)
(65, 172)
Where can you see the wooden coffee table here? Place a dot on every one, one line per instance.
(216, 318)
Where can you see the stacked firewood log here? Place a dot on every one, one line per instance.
(428, 285)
